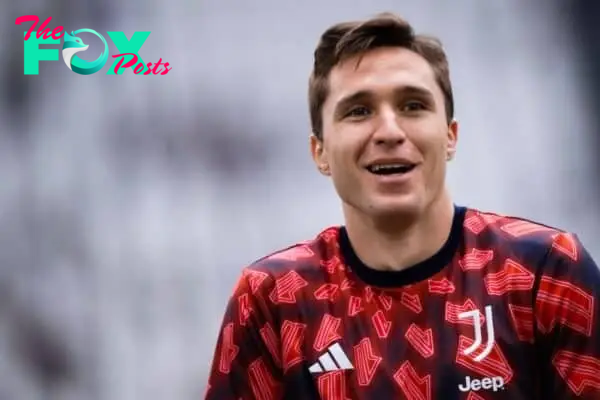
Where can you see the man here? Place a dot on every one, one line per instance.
(414, 297)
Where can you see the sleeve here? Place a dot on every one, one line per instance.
(567, 312)
(246, 363)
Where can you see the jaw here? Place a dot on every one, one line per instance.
(390, 214)
(380, 199)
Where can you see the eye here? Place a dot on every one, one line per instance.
(358, 112)
(413, 105)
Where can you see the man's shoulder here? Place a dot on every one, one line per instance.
(298, 259)
(520, 231)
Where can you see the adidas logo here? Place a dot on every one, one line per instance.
(333, 360)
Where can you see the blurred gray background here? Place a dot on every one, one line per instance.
(129, 204)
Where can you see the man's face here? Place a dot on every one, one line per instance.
(386, 139)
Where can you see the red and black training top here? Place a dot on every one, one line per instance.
(507, 309)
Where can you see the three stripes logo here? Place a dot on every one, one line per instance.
(475, 315)
(334, 359)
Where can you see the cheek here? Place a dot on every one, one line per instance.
(344, 171)
(341, 153)
(340, 162)
(434, 154)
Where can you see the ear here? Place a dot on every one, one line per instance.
(319, 155)
(452, 140)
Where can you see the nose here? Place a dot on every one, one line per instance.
(388, 131)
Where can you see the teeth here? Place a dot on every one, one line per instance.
(388, 166)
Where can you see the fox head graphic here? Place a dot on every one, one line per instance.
(72, 44)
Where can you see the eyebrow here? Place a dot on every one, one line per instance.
(365, 95)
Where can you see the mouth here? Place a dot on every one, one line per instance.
(391, 168)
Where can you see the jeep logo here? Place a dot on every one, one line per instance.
(496, 383)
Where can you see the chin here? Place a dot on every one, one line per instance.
(396, 206)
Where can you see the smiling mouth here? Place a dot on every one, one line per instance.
(390, 169)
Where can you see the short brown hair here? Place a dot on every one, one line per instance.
(348, 39)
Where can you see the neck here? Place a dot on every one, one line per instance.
(398, 243)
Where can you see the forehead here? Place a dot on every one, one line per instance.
(380, 70)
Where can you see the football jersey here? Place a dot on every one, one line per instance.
(506, 309)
